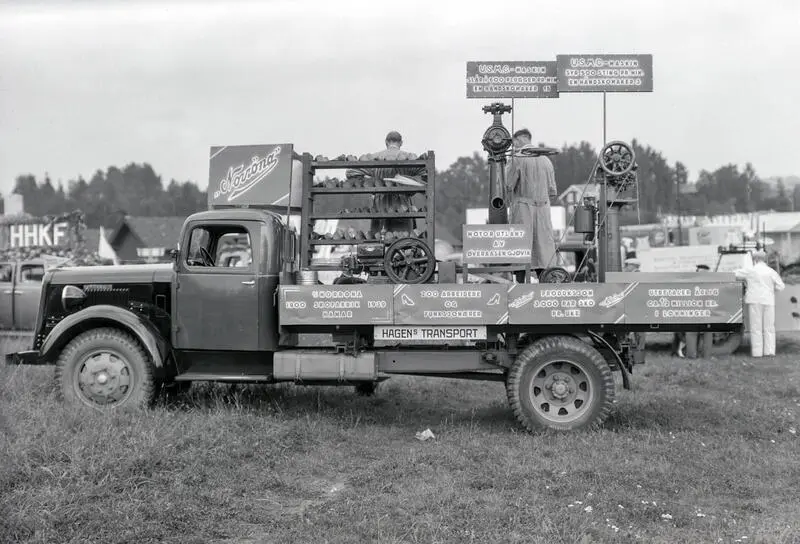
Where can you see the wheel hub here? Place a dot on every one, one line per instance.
(103, 378)
(560, 392)
(560, 386)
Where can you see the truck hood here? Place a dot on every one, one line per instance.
(131, 273)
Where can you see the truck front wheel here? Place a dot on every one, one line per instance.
(561, 383)
(105, 368)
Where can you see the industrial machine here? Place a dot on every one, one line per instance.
(118, 335)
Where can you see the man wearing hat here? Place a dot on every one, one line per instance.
(389, 202)
(531, 186)
(761, 284)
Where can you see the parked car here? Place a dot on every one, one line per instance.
(20, 291)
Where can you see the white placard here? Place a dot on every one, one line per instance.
(416, 333)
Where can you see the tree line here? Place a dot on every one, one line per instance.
(664, 187)
(134, 190)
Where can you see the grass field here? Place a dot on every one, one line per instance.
(700, 451)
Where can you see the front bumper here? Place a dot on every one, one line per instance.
(24, 358)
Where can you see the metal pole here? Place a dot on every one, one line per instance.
(513, 109)
(678, 206)
(602, 238)
(605, 141)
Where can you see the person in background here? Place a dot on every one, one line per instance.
(531, 186)
(679, 342)
(761, 283)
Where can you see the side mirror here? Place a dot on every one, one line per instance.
(173, 255)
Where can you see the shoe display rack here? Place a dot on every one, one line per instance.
(376, 212)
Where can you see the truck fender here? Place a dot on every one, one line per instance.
(106, 315)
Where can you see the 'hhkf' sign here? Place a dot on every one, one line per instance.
(37, 234)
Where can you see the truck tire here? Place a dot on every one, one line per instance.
(585, 393)
(104, 369)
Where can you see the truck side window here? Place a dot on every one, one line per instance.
(31, 273)
(220, 246)
(6, 271)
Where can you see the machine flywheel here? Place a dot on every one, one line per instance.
(617, 158)
(409, 260)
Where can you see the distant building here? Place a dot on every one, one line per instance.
(145, 239)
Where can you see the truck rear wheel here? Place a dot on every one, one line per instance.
(561, 383)
(105, 368)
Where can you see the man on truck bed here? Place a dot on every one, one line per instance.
(531, 183)
(389, 202)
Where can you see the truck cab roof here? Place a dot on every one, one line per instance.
(235, 214)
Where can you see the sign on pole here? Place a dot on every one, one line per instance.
(604, 73)
(512, 79)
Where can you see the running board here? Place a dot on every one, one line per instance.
(228, 378)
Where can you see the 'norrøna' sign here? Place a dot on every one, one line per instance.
(247, 175)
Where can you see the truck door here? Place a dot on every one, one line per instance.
(6, 296)
(27, 293)
(217, 305)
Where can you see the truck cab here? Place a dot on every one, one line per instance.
(220, 307)
(116, 334)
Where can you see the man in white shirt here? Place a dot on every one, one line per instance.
(762, 282)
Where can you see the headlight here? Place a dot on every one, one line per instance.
(72, 297)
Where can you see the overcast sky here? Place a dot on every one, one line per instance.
(85, 85)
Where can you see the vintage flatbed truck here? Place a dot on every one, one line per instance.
(118, 335)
